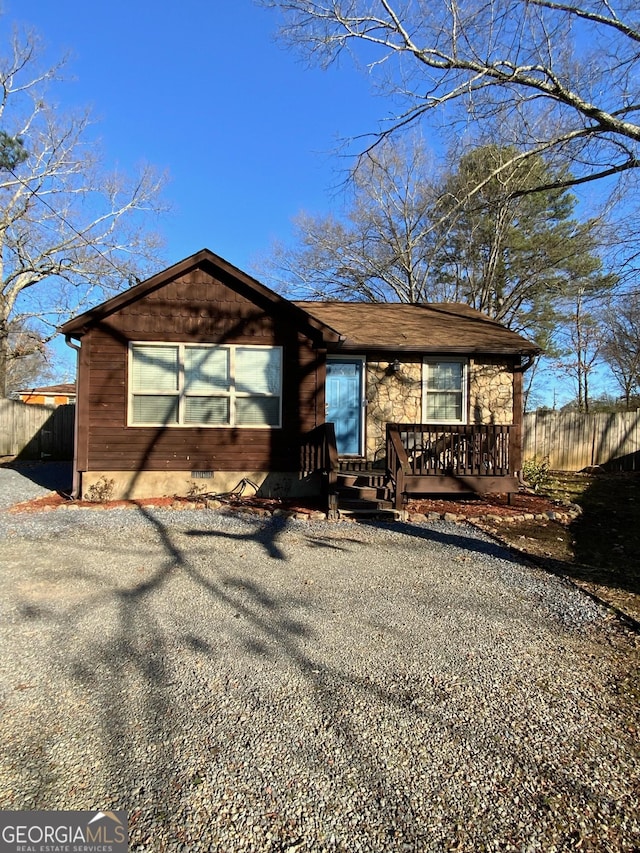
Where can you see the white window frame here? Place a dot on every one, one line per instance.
(232, 394)
(464, 390)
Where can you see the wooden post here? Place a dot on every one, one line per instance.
(399, 495)
(515, 435)
(332, 466)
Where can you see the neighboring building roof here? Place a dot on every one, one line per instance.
(63, 389)
(433, 327)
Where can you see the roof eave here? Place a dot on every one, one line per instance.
(426, 350)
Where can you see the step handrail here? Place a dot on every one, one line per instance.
(397, 464)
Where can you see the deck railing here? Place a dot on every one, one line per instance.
(319, 454)
(472, 450)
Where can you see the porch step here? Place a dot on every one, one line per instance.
(377, 514)
(353, 479)
(360, 504)
(364, 494)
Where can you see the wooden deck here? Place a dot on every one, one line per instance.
(452, 458)
(425, 459)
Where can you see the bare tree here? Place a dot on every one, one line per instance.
(561, 76)
(621, 348)
(381, 250)
(30, 359)
(69, 231)
(410, 235)
(583, 337)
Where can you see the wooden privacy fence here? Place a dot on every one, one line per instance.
(574, 441)
(571, 440)
(36, 432)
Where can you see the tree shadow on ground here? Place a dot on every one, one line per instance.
(126, 672)
(606, 536)
(600, 549)
(128, 676)
(54, 476)
(131, 681)
(267, 533)
(471, 542)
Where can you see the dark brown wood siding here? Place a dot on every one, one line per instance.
(196, 308)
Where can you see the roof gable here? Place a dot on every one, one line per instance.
(205, 260)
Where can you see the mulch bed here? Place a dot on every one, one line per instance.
(265, 505)
(55, 501)
(496, 506)
(488, 505)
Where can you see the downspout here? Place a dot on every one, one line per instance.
(75, 486)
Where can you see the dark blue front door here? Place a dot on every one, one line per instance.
(344, 403)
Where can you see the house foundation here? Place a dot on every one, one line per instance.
(136, 485)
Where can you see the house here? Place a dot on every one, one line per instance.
(49, 395)
(202, 376)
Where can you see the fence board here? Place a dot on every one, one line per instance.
(574, 441)
(36, 432)
(571, 440)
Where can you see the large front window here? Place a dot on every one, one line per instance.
(444, 391)
(205, 385)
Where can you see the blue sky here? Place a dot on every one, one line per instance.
(202, 89)
(246, 131)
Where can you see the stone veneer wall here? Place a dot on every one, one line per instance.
(392, 397)
(490, 392)
(397, 397)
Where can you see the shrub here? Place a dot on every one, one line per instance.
(537, 474)
(100, 491)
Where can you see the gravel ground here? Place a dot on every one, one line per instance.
(245, 684)
(24, 481)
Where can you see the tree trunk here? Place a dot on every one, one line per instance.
(4, 357)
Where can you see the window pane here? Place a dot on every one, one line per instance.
(444, 407)
(206, 369)
(258, 370)
(155, 410)
(445, 376)
(155, 368)
(258, 411)
(206, 410)
(342, 369)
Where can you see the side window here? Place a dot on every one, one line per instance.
(444, 396)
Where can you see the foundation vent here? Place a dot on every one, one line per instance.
(202, 475)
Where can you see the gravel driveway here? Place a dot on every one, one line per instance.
(24, 481)
(244, 684)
